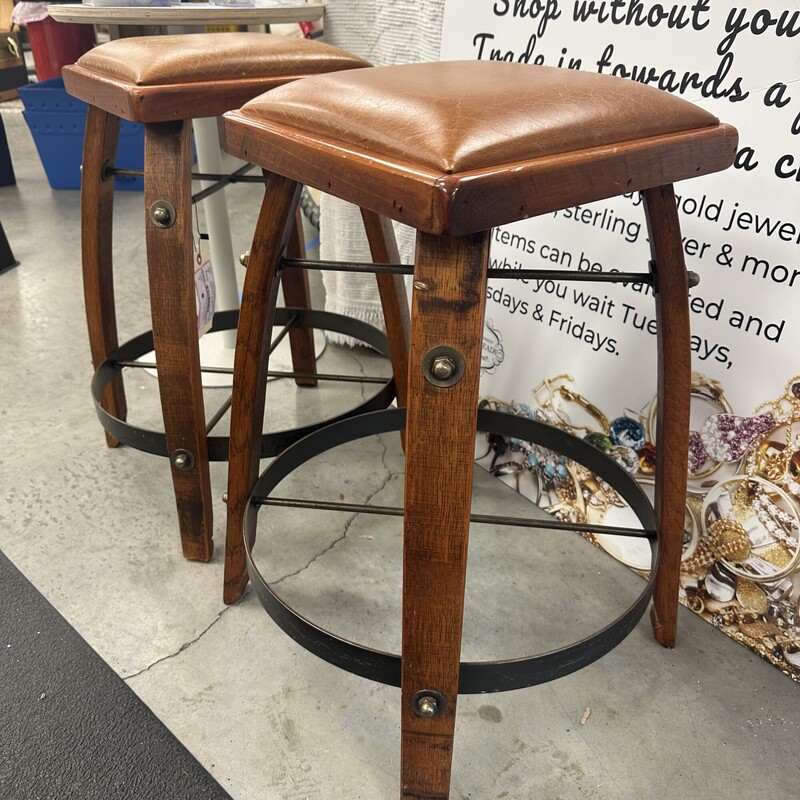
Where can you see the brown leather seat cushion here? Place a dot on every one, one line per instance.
(202, 57)
(466, 115)
(452, 148)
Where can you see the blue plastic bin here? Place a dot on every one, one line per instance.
(57, 121)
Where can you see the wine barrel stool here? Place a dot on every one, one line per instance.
(164, 82)
(454, 149)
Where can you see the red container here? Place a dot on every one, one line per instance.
(56, 44)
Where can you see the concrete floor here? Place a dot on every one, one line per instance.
(95, 530)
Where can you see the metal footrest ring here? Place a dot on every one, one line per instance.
(272, 443)
(475, 677)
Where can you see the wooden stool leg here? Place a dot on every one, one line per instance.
(297, 294)
(174, 319)
(97, 208)
(394, 301)
(448, 308)
(250, 368)
(673, 400)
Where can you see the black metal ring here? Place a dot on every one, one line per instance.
(475, 677)
(272, 443)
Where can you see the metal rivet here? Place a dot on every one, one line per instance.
(427, 706)
(225, 498)
(428, 703)
(107, 172)
(244, 258)
(182, 460)
(443, 366)
(162, 214)
(694, 279)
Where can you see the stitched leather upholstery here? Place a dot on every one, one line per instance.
(199, 58)
(163, 78)
(466, 115)
(452, 148)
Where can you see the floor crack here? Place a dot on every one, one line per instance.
(185, 645)
(347, 525)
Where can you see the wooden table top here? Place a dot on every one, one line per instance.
(265, 12)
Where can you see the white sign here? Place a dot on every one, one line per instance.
(587, 355)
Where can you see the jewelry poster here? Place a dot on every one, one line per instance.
(584, 359)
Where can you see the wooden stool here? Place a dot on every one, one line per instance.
(164, 82)
(441, 148)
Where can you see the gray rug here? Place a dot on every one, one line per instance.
(69, 725)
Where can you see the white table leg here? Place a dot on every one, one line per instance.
(217, 349)
(209, 160)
